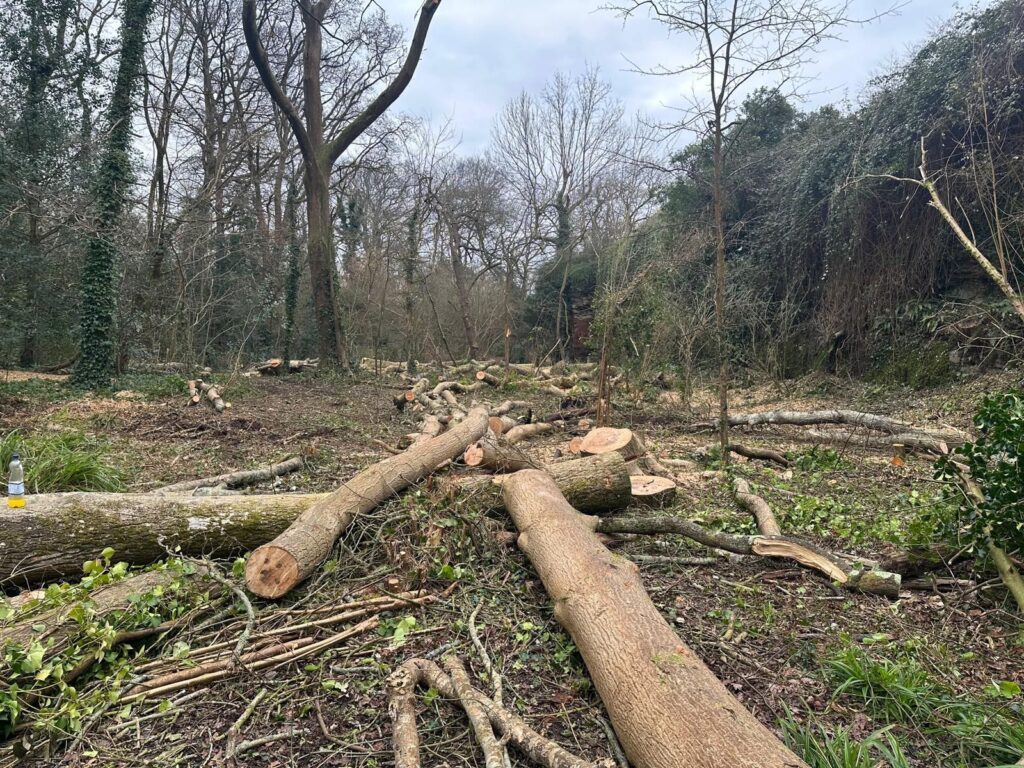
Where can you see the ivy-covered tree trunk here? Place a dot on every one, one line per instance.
(114, 176)
(291, 286)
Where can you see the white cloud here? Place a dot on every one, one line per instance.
(480, 54)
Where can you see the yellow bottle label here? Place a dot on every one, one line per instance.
(15, 502)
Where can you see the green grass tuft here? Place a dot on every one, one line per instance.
(65, 461)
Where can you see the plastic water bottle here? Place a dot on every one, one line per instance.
(16, 483)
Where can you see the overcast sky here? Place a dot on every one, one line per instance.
(481, 53)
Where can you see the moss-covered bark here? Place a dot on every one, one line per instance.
(113, 179)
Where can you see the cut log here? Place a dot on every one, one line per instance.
(764, 454)
(276, 366)
(758, 507)
(855, 576)
(667, 708)
(525, 431)
(488, 378)
(496, 456)
(608, 439)
(575, 446)
(213, 396)
(652, 491)
(194, 398)
(506, 407)
(851, 418)
(499, 425)
(239, 479)
(596, 484)
(275, 568)
(916, 442)
(51, 536)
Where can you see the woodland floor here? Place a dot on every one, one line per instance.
(777, 636)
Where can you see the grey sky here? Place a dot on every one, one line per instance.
(481, 53)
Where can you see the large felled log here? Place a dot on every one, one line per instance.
(241, 479)
(668, 709)
(276, 366)
(51, 536)
(274, 568)
(607, 440)
(592, 484)
(858, 577)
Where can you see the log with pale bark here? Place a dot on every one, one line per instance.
(240, 479)
(667, 708)
(858, 576)
(523, 432)
(213, 396)
(916, 442)
(608, 440)
(756, 506)
(278, 566)
(194, 398)
(276, 366)
(483, 712)
(851, 418)
(53, 534)
(596, 484)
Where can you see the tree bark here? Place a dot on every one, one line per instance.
(666, 706)
(50, 537)
(275, 568)
(240, 479)
(848, 575)
(592, 484)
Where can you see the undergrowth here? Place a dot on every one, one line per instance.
(896, 689)
(64, 461)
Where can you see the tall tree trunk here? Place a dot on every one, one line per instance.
(99, 275)
(563, 252)
(717, 193)
(291, 286)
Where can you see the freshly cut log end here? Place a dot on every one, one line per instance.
(608, 440)
(474, 455)
(651, 490)
(271, 571)
(488, 378)
(576, 446)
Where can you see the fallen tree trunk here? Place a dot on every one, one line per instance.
(275, 568)
(914, 441)
(240, 479)
(668, 709)
(840, 570)
(496, 455)
(764, 454)
(51, 536)
(591, 484)
(841, 416)
(525, 431)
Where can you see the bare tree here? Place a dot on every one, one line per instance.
(321, 152)
(554, 149)
(739, 44)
